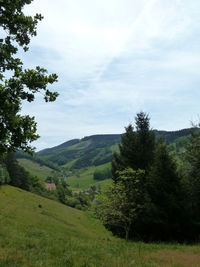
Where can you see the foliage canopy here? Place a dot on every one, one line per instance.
(121, 204)
(16, 83)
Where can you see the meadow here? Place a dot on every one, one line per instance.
(35, 169)
(35, 231)
(83, 178)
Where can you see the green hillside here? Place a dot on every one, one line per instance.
(34, 168)
(78, 179)
(78, 159)
(36, 232)
(94, 150)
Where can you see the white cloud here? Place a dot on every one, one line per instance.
(115, 57)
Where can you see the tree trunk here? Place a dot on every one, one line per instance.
(127, 233)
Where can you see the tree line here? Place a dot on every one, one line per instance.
(151, 199)
(33, 157)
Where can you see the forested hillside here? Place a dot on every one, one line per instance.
(93, 150)
(83, 160)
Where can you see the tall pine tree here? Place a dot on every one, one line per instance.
(166, 195)
(192, 163)
(136, 148)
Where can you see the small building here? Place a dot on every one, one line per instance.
(50, 186)
(89, 190)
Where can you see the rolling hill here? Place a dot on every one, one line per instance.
(89, 151)
(77, 159)
(36, 232)
(95, 150)
(36, 169)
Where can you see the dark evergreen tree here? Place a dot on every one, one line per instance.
(192, 170)
(136, 148)
(145, 141)
(166, 212)
(19, 177)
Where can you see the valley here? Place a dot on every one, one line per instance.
(76, 160)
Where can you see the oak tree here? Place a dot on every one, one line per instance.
(120, 205)
(16, 83)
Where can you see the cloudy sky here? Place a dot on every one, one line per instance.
(115, 58)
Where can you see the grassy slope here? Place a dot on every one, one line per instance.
(35, 169)
(56, 235)
(83, 178)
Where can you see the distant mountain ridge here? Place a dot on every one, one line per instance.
(170, 136)
(95, 150)
(63, 145)
(90, 150)
(76, 141)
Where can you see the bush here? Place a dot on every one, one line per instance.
(72, 202)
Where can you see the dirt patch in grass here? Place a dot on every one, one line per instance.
(174, 258)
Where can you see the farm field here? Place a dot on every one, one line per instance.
(83, 178)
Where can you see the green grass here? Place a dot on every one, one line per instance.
(69, 164)
(35, 169)
(55, 235)
(83, 178)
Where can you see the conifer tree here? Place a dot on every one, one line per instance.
(19, 177)
(166, 195)
(192, 158)
(136, 148)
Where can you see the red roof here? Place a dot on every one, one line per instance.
(50, 186)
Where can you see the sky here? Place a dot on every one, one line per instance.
(115, 58)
